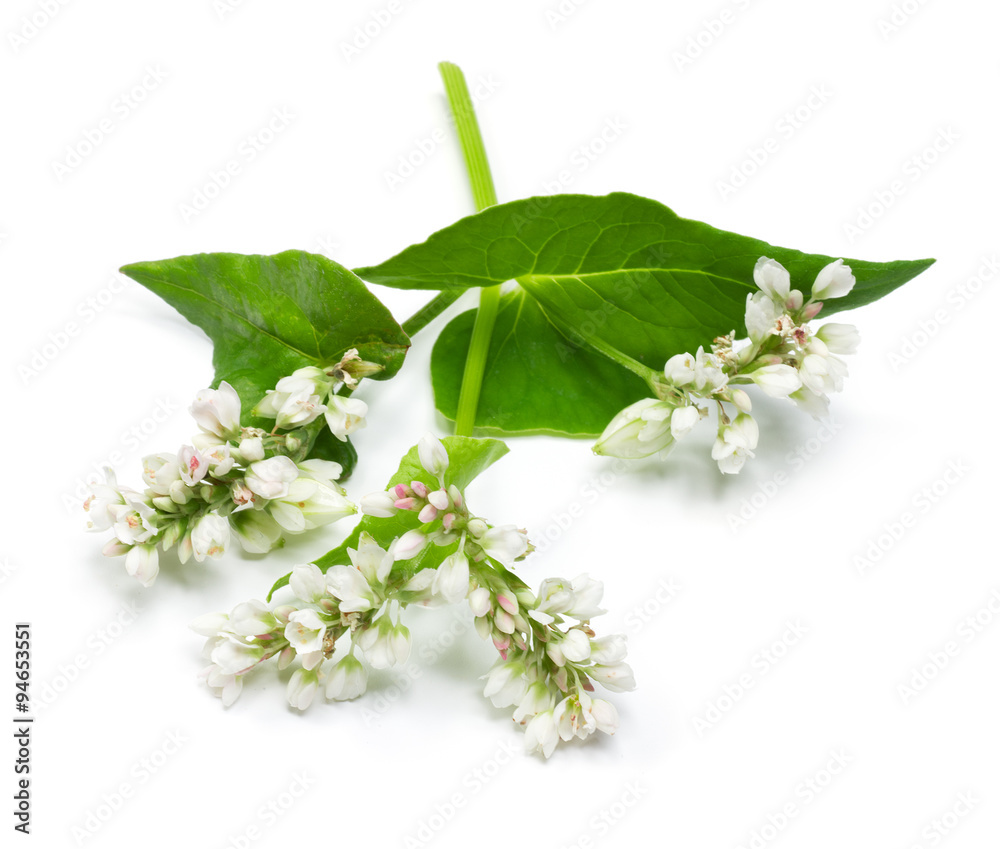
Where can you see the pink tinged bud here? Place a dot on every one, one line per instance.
(282, 612)
(406, 504)
(439, 498)
(504, 622)
(286, 656)
(812, 310)
(402, 491)
(794, 301)
(502, 644)
(588, 685)
(428, 513)
(420, 489)
(507, 603)
(114, 548)
(409, 545)
(448, 521)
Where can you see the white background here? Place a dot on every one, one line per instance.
(700, 595)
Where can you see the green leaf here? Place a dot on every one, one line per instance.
(270, 315)
(537, 380)
(620, 273)
(467, 457)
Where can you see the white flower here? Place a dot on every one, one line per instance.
(225, 685)
(709, 377)
(452, 578)
(270, 478)
(432, 453)
(309, 504)
(735, 443)
(133, 518)
(251, 448)
(505, 543)
(541, 734)
(816, 405)
(384, 644)
(833, 281)
(605, 715)
(608, 649)
(479, 601)
(297, 399)
(308, 583)
(641, 429)
(381, 505)
(209, 536)
(99, 503)
(217, 411)
(256, 531)
(410, 545)
(617, 677)
(537, 698)
(679, 369)
(160, 472)
(572, 647)
(772, 278)
(348, 679)
(347, 584)
(587, 594)
(234, 657)
(682, 420)
(251, 619)
(373, 561)
(324, 471)
(142, 563)
(192, 464)
(761, 315)
(839, 338)
(345, 415)
(777, 380)
(302, 688)
(305, 631)
(505, 684)
(573, 718)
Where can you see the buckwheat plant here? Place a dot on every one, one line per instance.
(236, 481)
(349, 618)
(783, 356)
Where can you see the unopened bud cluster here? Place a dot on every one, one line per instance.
(782, 355)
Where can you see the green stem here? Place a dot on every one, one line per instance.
(484, 195)
(429, 311)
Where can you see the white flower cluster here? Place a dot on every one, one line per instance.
(547, 671)
(547, 665)
(231, 480)
(310, 392)
(783, 355)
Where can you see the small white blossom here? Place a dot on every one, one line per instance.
(209, 536)
(772, 277)
(270, 478)
(432, 453)
(302, 688)
(347, 680)
(345, 415)
(217, 411)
